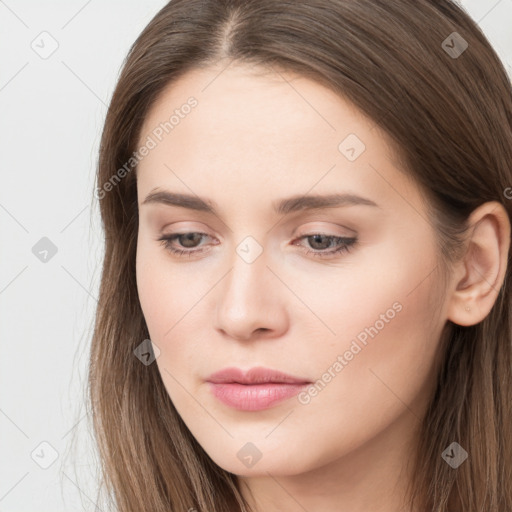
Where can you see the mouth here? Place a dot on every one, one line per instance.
(257, 389)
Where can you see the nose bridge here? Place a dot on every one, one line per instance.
(248, 273)
(248, 300)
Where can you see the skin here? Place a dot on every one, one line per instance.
(252, 139)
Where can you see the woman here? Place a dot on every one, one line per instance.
(305, 295)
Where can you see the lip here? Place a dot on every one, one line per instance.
(254, 390)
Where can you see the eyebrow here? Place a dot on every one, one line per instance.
(281, 207)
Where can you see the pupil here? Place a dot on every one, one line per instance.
(316, 239)
(189, 237)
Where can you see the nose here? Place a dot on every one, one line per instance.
(251, 301)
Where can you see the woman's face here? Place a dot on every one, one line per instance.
(259, 283)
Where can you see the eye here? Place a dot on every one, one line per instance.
(187, 239)
(318, 242)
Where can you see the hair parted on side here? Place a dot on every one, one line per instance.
(450, 120)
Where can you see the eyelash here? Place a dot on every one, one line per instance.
(347, 244)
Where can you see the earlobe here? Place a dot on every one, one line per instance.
(482, 270)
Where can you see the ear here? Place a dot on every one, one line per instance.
(479, 275)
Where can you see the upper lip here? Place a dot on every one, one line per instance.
(257, 375)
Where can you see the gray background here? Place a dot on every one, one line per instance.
(52, 109)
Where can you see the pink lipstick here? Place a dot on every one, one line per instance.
(255, 390)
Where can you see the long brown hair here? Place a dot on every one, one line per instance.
(450, 117)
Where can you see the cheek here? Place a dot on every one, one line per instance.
(159, 294)
(380, 362)
(391, 316)
(170, 297)
(150, 289)
(164, 291)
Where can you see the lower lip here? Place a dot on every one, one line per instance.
(254, 397)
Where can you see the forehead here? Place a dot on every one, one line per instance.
(251, 128)
(256, 103)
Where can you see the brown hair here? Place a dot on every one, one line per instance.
(450, 117)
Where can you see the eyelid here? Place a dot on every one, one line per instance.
(308, 229)
(183, 228)
(314, 228)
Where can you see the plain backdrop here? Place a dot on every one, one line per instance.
(59, 62)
